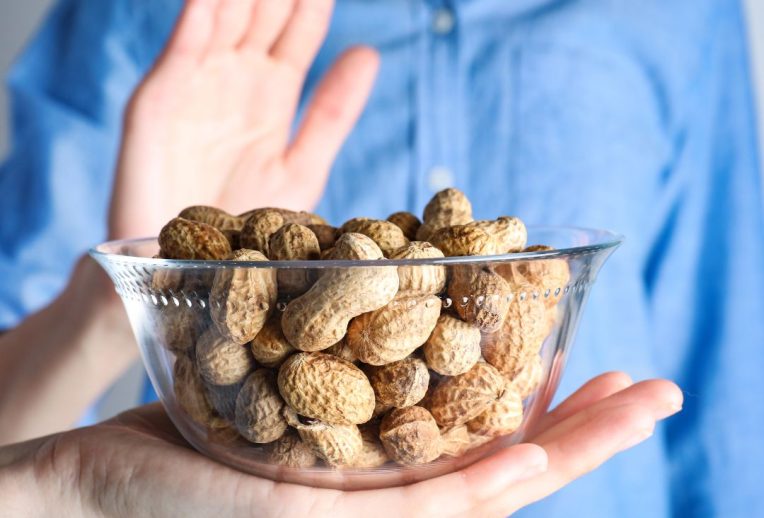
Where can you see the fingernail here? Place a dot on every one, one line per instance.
(669, 410)
(635, 439)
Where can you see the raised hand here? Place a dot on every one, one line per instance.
(138, 465)
(211, 124)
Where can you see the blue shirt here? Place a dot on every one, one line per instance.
(635, 116)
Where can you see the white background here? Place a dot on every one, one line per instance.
(18, 18)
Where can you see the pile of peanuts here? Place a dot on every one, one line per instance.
(356, 366)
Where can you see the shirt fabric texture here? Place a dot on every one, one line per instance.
(635, 116)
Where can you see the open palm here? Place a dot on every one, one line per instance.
(138, 465)
(211, 124)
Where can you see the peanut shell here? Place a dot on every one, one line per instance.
(291, 451)
(447, 208)
(191, 240)
(393, 332)
(326, 235)
(480, 296)
(420, 279)
(191, 395)
(372, 454)
(400, 384)
(258, 229)
(319, 319)
(465, 240)
(528, 377)
(324, 387)
(410, 436)
(218, 218)
(242, 298)
(259, 409)
(502, 417)
(339, 445)
(453, 348)
(548, 276)
(222, 361)
(222, 398)
(455, 441)
(458, 399)
(509, 234)
(294, 242)
(387, 235)
(521, 336)
(407, 222)
(270, 347)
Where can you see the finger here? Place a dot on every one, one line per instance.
(231, 23)
(267, 22)
(662, 398)
(592, 391)
(304, 33)
(578, 451)
(336, 106)
(192, 34)
(456, 493)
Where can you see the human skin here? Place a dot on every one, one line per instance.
(138, 465)
(210, 124)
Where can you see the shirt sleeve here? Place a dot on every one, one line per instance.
(67, 93)
(709, 314)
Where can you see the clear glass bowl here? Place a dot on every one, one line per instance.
(172, 304)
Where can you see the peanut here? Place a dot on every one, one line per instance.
(455, 441)
(420, 279)
(453, 347)
(190, 240)
(465, 240)
(502, 417)
(447, 208)
(324, 387)
(325, 234)
(270, 347)
(294, 242)
(218, 218)
(291, 451)
(548, 276)
(339, 445)
(410, 436)
(400, 384)
(387, 235)
(242, 298)
(458, 399)
(528, 377)
(407, 222)
(509, 234)
(319, 319)
(393, 332)
(258, 229)
(259, 409)
(372, 454)
(191, 395)
(480, 296)
(289, 216)
(521, 336)
(222, 361)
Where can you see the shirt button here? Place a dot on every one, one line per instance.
(440, 178)
(443, 21)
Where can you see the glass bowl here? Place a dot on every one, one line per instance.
(483, 352)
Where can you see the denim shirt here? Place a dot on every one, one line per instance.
(635, 116)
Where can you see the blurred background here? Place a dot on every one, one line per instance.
(19, 19)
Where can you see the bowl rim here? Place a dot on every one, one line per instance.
(607, 240)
